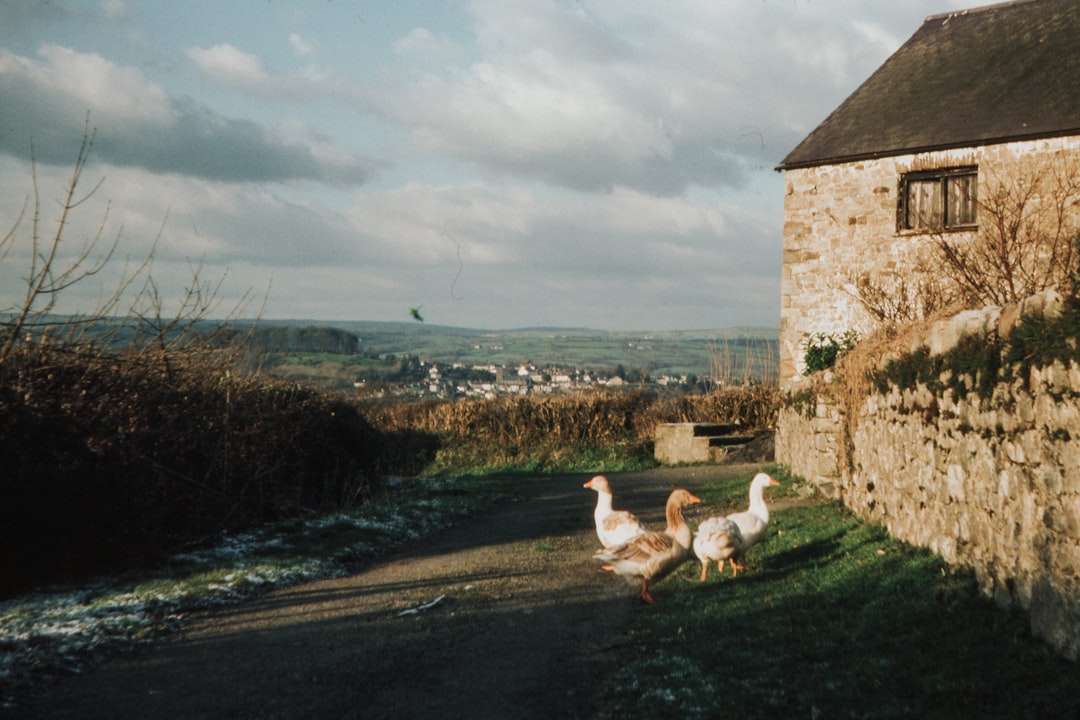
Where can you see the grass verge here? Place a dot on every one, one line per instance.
(833, 619)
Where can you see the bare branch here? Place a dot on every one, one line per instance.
(1025, 239)
(159, 335)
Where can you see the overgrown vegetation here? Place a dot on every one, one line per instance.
(111, 463)
(977, 364)
(122, 444)
(584, 433)
(1038, 340)
(1028, 241)
(824, 349)
(130, 433)
(832, 619)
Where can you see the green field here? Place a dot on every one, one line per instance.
(732, 353)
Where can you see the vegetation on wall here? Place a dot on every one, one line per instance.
(824, 349)
(1039, 341)
(975, 364)
(1027, 241)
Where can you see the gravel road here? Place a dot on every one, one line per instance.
(525, 626)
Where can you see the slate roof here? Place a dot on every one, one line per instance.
(991, 74)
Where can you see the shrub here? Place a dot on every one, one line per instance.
(110, 463)
(823, 350)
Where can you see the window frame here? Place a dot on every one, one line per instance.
(943, 176)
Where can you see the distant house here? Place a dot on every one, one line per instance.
(971, 102)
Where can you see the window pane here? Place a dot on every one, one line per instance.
(962, 197)
(924, 204)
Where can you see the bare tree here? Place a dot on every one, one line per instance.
(1026, 241)
(154, 331)
(1026, 238)
(895, 299)
(48, 274)
(164, 336)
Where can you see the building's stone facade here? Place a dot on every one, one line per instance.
(840, 222)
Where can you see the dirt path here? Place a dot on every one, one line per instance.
(525, 627)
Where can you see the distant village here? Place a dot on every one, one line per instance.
(455, 380)
(386, 375)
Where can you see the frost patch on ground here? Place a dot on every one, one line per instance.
(664, 685)
(48, 634)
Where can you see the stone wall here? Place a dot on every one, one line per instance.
(808, 440)
(840, 223)
(987, 480)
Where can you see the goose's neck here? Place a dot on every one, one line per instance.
(603, 504)
(757, 503)
(677, 527)
(675, 518)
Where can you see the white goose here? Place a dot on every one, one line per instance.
(728, 538)
(613, 527)
(652, 555)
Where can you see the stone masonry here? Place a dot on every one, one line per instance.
(992, 484)
(840, 223)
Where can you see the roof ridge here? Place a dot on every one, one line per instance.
(978, 9)
(1002, 73)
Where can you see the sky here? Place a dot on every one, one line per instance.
(496, 164)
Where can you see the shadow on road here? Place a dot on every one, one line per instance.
(523, 627)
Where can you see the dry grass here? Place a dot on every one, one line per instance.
(554, 431)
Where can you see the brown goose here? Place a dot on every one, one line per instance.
(653, 555)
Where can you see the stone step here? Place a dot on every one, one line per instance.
(696, 442)
(725, 440)
(706, 429)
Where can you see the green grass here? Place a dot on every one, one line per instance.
(833, 619)
(464, 461)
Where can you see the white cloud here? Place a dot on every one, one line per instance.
(558, 95)
(230, 66)
(84, 82)
(138, 124)
(658, 97)
(301, 45)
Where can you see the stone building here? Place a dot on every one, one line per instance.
(975, 101)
